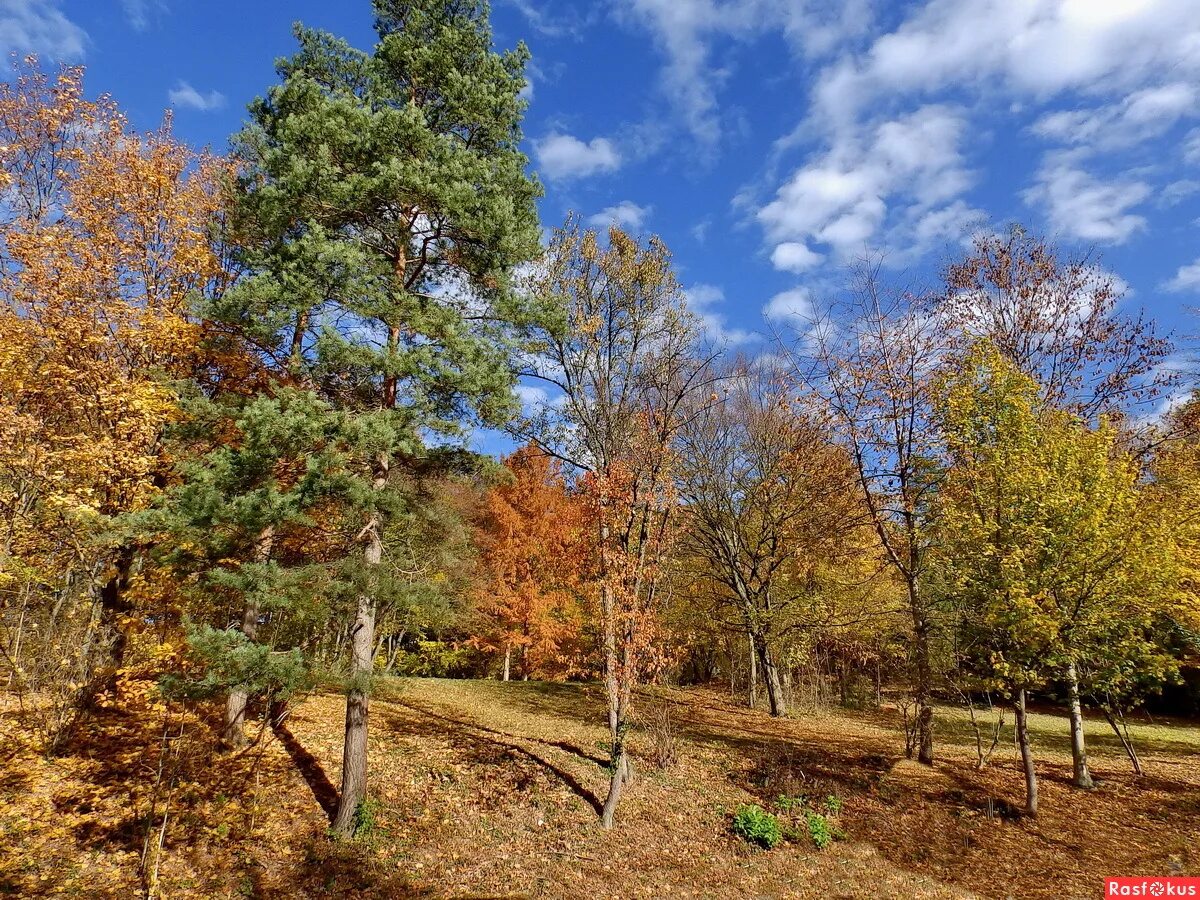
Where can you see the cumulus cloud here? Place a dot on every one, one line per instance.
(703, 300)
(1187, 278)
(896, 174)
(792, 305)
(1079, 205)
(184, 96)
(626, 214)
(562, 156)
(39, 27)
(794, 256)
(1037, 48)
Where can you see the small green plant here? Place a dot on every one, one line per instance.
(788, 804)
(757, 826)
(819, 830)
(366, 821)
(833, 804)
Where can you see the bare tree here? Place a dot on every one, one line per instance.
(873, 360)
(621, 366)
(769, 506)
(1056, 319)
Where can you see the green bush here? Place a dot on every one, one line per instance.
(757, 826)
(819, 830)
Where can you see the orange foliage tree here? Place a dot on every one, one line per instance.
(534, 556)
(105, 239)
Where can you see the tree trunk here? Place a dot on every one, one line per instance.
(1082, 777)
(753, 674)
(507, 661)
(924, 679)
(1123, 736)
(114, 604)
(617, 765)
(362, 642)
(1031, 788)
(235, 704)
(770, 671)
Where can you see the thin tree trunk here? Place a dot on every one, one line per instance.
(507, 661)
(775, 697)
(1082, 778)
(924, 673)
(753, 673)
(1031, 788)
(616, 712)
(362, 642)
(1123, 736)
(235, 704)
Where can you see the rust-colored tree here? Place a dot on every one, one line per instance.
(534, 556)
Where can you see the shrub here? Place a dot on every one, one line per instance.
(757, 826)
(819, 830)
(663, 737)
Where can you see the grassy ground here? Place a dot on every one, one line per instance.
(487, 790)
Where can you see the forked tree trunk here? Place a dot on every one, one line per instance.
(1082, 778)
(1123, 735)
(770, 670)
(362, 643)
(1031, 787)
(234, 734)
(618, 708)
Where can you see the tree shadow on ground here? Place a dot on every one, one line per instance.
(486, 746)
(310, 770)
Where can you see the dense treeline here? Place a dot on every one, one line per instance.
(234, 391)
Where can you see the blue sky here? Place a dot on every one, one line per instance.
(770, 142)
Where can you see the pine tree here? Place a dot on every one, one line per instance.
(253, 473)
(382, 208)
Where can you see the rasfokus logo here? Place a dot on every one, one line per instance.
(1152, 887)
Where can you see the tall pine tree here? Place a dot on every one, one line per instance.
(382, 208)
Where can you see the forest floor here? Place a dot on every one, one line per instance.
(487, 789)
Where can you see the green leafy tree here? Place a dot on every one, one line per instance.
(253, 475)
(382, 207)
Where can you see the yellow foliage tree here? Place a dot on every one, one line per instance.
(103, 246)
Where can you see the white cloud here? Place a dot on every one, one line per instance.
(39, 27)
(1191, 146)
(1081, 206)
(1032, 47)
(562, 156)
(138, 12)
(626, 214)
(1187, 278)
(895, 174)
(794, 256)
(1140, 116)
(1178, 191)
(795, 304)
(701, 300)
(185, 96)
(687, 31)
